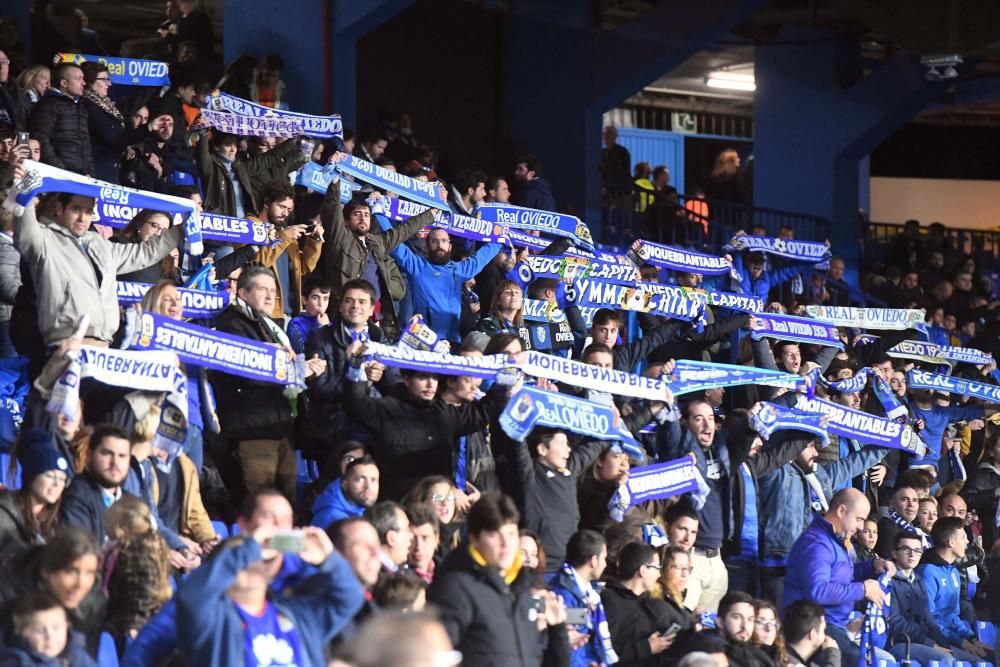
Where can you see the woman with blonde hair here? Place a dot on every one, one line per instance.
(34, 82)
(675, 564)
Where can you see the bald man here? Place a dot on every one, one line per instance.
(396, 639)
(821, 568)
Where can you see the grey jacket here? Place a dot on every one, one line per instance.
(75, 276)
(10, 276)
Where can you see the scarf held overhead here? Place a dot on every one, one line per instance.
(546, 222)
(890, 319)
(428, 194)
(124, 71)
(214, 227)
(216, 350)
(321, 127)
(918, 379)
(862, 426)
(40, 178)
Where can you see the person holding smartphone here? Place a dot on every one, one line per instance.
(641, 627)
(225, 615)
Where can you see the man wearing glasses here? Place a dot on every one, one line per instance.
(910, 610)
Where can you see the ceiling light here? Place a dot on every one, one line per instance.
(731, 81)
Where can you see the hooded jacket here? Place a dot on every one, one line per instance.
(19, 654)
(333, 505)
(414, 438)
(210, 629)
(944, 590)
(488, 616)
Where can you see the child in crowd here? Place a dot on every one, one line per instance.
(316, 291)
(42, 635)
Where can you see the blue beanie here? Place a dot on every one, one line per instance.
(37, 455)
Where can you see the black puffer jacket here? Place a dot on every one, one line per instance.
(326, 391)
(414, 438)
(489, 621)
(61, 124)
(250, 409)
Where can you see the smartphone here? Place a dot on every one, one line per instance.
(578, 616)
(538, 604)
(22, 138)
(287, 541)
(671, 631)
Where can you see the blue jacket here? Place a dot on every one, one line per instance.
(158, 638)
(83, 506)
(210, 629)
(17, 654)
(332, 505)
(786, 501)
(821, 569)
(565, 589)
(910, 611)
(436, 289)
(936, 420)
(769, 279)
(944, 587)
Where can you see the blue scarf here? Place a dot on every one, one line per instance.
(800, 251)
(864, 427)
(671, 302)
(894, 408)
(654, 482)
(572, 268)
(252, 126)
(598, 619)
(851, 385)
(918, 379)
(428, 194)
(323, 127)
(750, 531)
(125, 71)
(766, 418)
(317, 177)
(547, 222)
(531, 407)
(908, 527)
(214, 227)
(680, 259)
(875, 630)
(939, 354)
(691, 376)
(39, 178)
(463, 226)
(796, 329)
(218, 351)
(404, 356)
(199, 304)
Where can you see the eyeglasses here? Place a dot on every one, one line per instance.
(655, 567)
(767, 625)
(907, 551)
(438, 498)
(103, 78)
(681, 568)
(4, 61)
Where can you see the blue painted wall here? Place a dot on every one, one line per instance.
(656, 147)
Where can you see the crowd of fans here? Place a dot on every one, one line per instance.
(426, 535)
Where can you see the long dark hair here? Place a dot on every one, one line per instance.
(130, 234)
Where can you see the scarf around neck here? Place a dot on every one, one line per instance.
(106, 104)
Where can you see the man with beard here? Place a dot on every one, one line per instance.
(821, 569)
(100, 485)
(435, 282)
(351, 495)
(289, 260)
(735, 626)
(790, 494)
